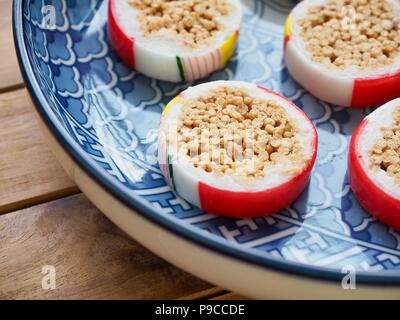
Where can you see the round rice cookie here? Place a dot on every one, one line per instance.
(175, 41)
(236, 149)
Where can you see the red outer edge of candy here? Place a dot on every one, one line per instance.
(375, 91)
(237, 204)
(122, 44)
(286, 40)
(371, 196)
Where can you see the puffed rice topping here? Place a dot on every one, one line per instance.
(193, 21)
(386, 153)
(352, 33)
(227, 132)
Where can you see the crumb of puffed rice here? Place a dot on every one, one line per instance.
(193, 21)
(227, 132)
(386, 152)
(352, 33)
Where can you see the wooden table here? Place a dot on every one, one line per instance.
(46, 220)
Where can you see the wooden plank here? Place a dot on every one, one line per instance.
(29, 172)
(205, 294)
(229, 296)
(93, 259)
(9, 70)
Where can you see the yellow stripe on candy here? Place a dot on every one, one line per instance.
(228, 46)
(288, 26)
(170, 104)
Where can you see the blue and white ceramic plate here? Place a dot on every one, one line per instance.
(101, 120)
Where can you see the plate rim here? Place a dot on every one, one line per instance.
(144, 209)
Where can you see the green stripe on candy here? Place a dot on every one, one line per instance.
(171, 171)
(180, 67)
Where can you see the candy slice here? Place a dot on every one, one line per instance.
(179, 40)
(346, 53)
(374, 163)
(236, 149)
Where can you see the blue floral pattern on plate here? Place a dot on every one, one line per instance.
(112, 113)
